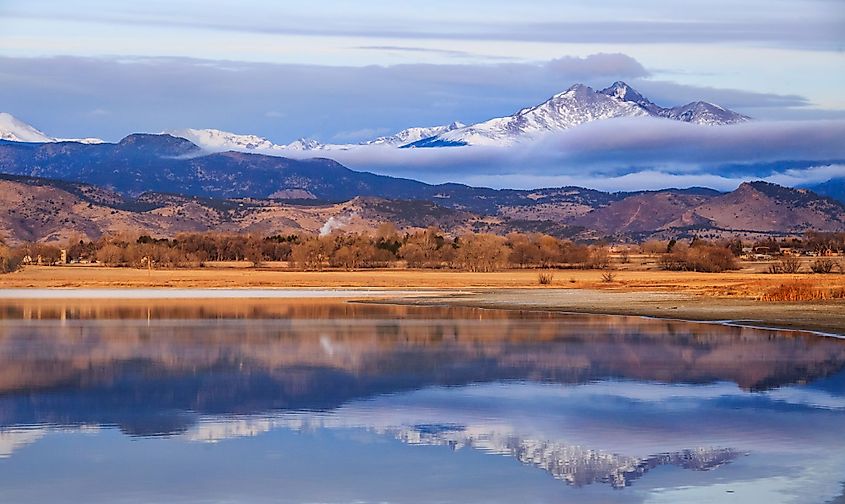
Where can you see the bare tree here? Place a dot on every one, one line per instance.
(482, 252)
(311, 254)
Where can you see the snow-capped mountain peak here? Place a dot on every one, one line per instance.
(87, 140)
(698, 112)
(623, 92)
(705, 113)
(305, 144)
(410, 135)
(577, 105)
(577, 88)
(214, 139)
(15, 130)
(218, 140)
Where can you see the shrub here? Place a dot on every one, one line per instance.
(673, 262)
(545, 277)
(599, 258)
(797, 291)
(10, 259)
(653, 247)
(608, 277)
(787, 265)
(802, 291)
(711, 259)
(822, 266)
(704, 258)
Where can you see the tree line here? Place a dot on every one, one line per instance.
(429, 248)
(387, 247)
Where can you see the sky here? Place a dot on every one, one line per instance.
(344, 71)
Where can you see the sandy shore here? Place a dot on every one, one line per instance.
(827, 317)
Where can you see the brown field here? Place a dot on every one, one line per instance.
(747, 296)
(749, 283)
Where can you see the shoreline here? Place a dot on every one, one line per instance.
(824, 318)
(820, 318)
(206, 293)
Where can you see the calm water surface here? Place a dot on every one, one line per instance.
(293, 401)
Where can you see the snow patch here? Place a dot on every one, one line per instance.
(15, 130)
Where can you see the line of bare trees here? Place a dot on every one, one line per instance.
(388, 247)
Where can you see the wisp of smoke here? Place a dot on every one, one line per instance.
(335, 223)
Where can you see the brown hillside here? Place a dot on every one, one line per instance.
(641, 212)
(766, 207)
(41, 212)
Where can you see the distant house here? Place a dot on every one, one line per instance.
(756, 253)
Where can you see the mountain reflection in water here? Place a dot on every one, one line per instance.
(587, 399)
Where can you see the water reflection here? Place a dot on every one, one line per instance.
(593, 401)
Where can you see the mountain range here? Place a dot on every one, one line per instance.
(38, 209)
(209, 179)
(833, 188)
(577, 105)
(163, 163)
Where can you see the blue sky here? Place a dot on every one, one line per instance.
(770, 48)
(346, 71)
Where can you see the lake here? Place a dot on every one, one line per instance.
(328, 401)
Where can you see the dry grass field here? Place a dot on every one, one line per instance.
(747, 296)
(749, 282)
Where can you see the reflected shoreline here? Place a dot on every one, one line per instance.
(593, 401)
(745, 313)
(253, 356)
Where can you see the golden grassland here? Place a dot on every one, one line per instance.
(748, 296)
(749, 282)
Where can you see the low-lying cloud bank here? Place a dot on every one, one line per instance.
(626, 154)
(647, 180)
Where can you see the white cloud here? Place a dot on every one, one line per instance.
(627, 154)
